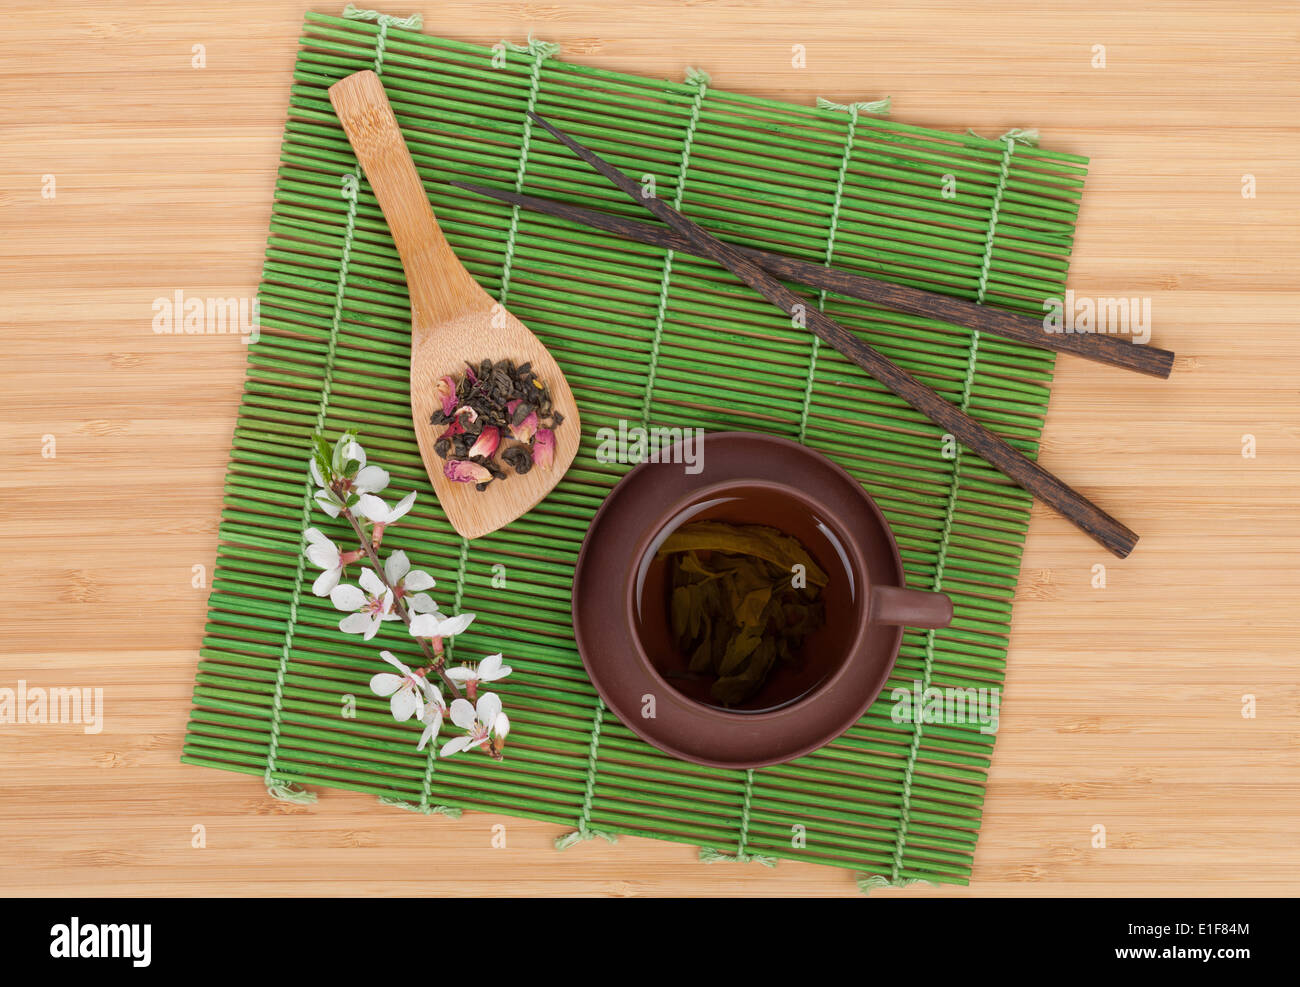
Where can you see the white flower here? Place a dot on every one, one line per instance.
(333, 494)
(489, 669)
(368, 479)
(407, 692)
(480, 723)
(325, 555)
(369, 608)
(409, 583)
(397, 567)
(432, 718)
(326, 499)
(437, 624)
(379, 512)
(419, 603)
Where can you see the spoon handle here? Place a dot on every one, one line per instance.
(440, 287)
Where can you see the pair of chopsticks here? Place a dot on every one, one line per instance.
(760, 270)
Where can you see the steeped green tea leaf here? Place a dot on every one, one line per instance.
(734, 607)
(745, 539)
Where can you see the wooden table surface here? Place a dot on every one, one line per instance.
(1123, 706)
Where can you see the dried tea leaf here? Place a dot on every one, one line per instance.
(485, 408)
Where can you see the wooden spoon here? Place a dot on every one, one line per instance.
(453, 320)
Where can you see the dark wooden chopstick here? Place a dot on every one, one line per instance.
(1113, 350)
(1020, 468)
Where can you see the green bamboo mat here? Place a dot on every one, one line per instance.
(646, 338)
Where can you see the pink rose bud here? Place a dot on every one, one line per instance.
(487, 442)
(525, 429)
(544, 448)
(463, 471)
(447, 394)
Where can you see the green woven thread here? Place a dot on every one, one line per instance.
(585, 830)
(430, 764)
(699, 79)
(541, 51)
(744, 814)
(385, 21)
(852, 109)
(954, 489)
(711, 855)
(431, 759)
(287, 792)
(290, 792)
(993, 224)
(462, 565)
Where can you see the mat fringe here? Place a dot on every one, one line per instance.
(288, 792)
(870, 882)
(450, 811)
(711, 856)
(579, 835)
(354, 13)
(880, 107)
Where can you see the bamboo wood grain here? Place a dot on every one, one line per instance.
(1111, 350)
(453, 320)
(1123, 702)
(1082, 512)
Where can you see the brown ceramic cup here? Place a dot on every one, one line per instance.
(746, 478)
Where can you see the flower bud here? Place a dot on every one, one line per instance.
(544, 448)
(486, 443)
(526, 428)
(447, 394)
(463, 471)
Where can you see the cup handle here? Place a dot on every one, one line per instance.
(912, 607)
